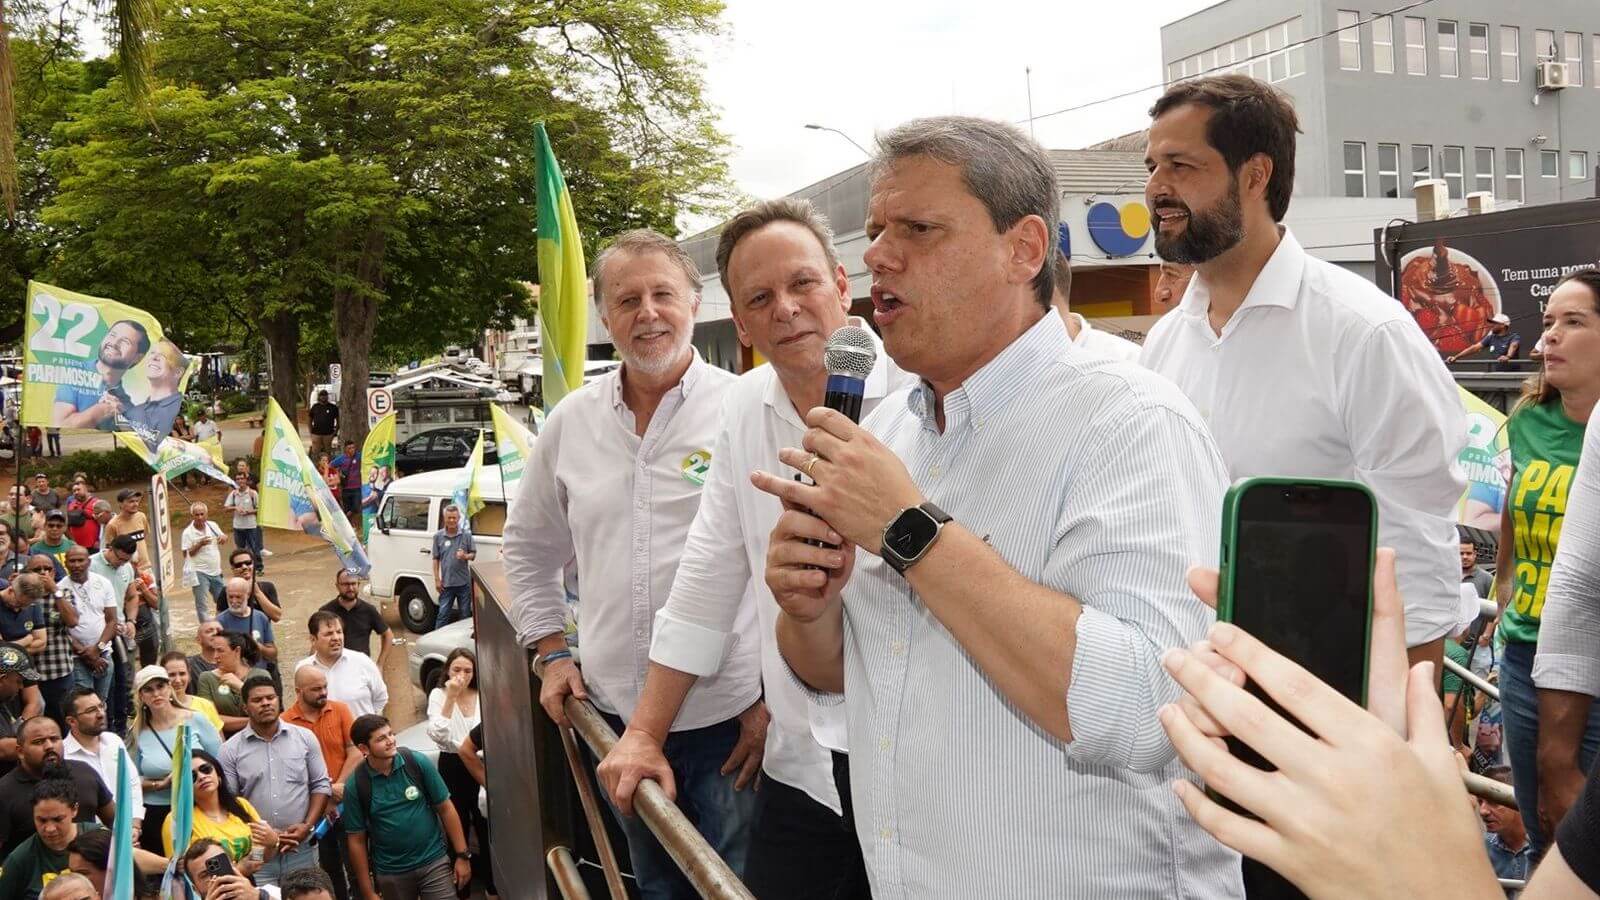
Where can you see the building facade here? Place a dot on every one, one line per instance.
(1449, 90)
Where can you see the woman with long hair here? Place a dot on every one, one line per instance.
(237, 657)
(453, 711)
(225, 818)
(177, 666)
(156, 717)
(1546, 433)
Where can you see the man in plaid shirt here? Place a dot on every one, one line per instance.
(54, 662)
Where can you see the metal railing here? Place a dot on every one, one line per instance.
(1472, 678)
(706, 871)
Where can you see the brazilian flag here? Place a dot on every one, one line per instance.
(563, 293)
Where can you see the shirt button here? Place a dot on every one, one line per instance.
(885, 834)
(934, 471)
(883, 743)
(897, 648)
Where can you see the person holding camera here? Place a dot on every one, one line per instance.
(214, 878)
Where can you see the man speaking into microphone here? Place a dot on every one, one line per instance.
(1023, 521)
(788, 294)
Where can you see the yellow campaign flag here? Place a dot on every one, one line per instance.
(468, 495)
(513, 444)
(377, 470)
(294, 495)
(173, 457)
(563, 290)
(1486, 461)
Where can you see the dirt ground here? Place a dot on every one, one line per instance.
(301, 567)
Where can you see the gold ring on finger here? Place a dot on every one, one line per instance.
(806, 468)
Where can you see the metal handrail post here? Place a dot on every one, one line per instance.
(591, 813)
(1471, 677)
(565, 870)
(706, 871)
(1489, 789)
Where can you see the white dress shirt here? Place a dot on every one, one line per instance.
(723, 572)
(91, 598)
(1321, 375)
(354, 680)
(1064, 463)
(1103, 342)
(105, 762)
(621, 505)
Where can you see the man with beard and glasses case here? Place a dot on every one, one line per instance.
(1299, 367)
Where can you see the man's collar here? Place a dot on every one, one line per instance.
(1277, 284)
(71, 743)
(986, 391)
(877, 385)
(686, 384)
(277, 729)
(318, 657)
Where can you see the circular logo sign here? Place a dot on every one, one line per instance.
(380, 401)
(696, 466)
(412, 793)
(1119, 231)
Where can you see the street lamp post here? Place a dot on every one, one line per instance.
(843, 135)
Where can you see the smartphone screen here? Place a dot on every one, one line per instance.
(1301, 571)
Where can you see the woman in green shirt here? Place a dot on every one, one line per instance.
(40, 858)
(1546, 435)
(236, 663)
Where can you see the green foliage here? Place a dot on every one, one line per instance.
(104, 468)
(236, 403)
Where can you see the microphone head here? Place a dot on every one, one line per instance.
(850, 351)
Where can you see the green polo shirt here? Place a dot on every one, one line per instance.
(407, 830)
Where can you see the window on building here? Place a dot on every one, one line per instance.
(1349, 40)
(1416, 46)
(1174, 72)
(1478, 50)
(1451, 163)
(1577, 165)
(1258, 54)
(1355, 169)
(1544, 45)
(1449, 55)
(1549, 164)
(1572, 51)
(1594, 60)
(1297, 54)
(1510, 53)
(1383, 45)
(1514, 175)
(1421, 163)
(1278, 64)
(1483, 169)
(1388, 170)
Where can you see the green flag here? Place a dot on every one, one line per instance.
(563, 291)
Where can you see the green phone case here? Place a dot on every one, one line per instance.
(1230, 525)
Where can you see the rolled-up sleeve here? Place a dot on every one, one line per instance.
(1406, 424)
(1126, 538)
(1569, 629)
(537, 542)
(694, 631)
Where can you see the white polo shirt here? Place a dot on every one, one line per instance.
(621, 506)
(1321, 375)
(354, 680)
(723, 574)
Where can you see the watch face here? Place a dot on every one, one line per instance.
(911, 532)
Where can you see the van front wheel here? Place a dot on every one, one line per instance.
(417, 609)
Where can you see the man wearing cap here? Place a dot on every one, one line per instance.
(95, 601)
(19, 700)
(324, 418)
(82, 527)
(90, 743)
(1501, 342)
(55, 542)
(130, 521)
(44, 497)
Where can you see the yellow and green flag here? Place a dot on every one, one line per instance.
(513, 444)
(1486, 462)
(563, 292)
(294, 495)
(173, 457)
(468, 494)
(377, 470)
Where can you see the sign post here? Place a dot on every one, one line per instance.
(379, 404)
(161, 535)
(335, 371)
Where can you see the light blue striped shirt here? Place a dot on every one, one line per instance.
(1095, 478)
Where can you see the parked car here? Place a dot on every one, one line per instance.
(415, 738)
(426, 654)
(401, 544)
(441, 448)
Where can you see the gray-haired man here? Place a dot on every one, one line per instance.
(613, 482)
(1016, 549)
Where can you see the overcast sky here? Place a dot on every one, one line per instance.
(866, 65)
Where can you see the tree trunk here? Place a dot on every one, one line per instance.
(282, 332)
(355, 317)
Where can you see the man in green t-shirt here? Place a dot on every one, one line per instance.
(55, 542)
(399, 809)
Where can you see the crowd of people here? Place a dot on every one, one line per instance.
(972, 651)
(89, 673)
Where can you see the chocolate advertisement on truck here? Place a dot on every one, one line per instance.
(1453, 275)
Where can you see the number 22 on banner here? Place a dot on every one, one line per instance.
(82, 317)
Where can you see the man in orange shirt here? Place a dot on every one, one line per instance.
(330, 721)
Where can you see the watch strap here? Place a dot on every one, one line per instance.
(901, 564)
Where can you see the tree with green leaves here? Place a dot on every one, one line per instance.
(373, 159)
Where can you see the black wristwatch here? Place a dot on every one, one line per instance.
(909, 535)
(465, 854)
